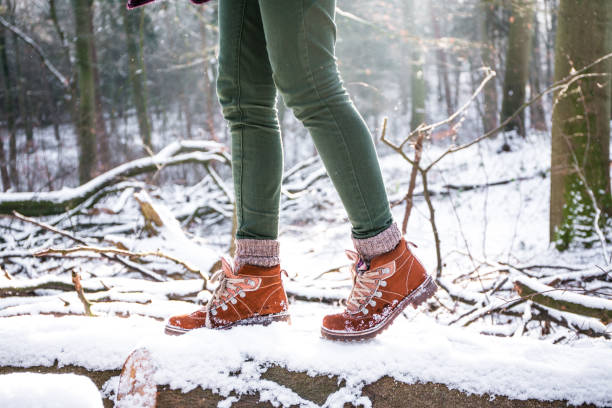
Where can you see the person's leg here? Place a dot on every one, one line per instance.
(248, 96)
(252, 291)
(300, 36)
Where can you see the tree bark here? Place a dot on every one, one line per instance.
(490, 114)
(22, 97)
(6, 181)
(209, 88)
(133, 25)
(580, 125)
(9, 111)
(101, 133)
(536, 109)
(442, 66)
(417, 79)
(86, 123)
(517, 63)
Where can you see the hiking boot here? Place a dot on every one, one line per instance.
(252, 295)
(382, 289)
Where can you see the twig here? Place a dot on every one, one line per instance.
(76, 280)
(6, 274)
(418, 150)
(38, 49)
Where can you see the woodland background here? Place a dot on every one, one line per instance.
(111, 136)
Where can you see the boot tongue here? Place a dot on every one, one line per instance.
(362, 265)
(227, 268)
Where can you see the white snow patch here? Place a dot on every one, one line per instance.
(25, 390)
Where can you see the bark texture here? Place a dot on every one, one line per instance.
(490, 117)
(517, 62)
(86, 125)
(133, 23)
(580, 125)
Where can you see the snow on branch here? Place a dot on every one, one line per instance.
(564, 300)
(58, 202)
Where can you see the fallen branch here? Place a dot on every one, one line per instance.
(66, 234)
(583, 325)
(564, 300)
(116, 251)
(58, 202)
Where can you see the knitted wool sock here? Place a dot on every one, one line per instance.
(379, 244)
(259, 252)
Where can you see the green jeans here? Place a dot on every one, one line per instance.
(288, 45)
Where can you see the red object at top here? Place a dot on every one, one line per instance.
(137, 3)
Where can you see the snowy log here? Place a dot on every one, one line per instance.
(564, 300)
(57, 202)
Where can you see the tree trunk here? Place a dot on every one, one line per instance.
(22, 97)
(86, 123)
(6, 181)
(417, 79)
(517, 63)
(209, 91)
(133, 24)
(9, 109)
(490, 115)
(580, 125)
(442, 65)
(101, 133)
(536, 109)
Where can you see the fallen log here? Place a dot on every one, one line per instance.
(563, 299)
(58, 202)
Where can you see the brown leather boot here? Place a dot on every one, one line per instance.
(381, 291)
(253, 295)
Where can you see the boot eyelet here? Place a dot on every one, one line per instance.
(365, 311)
(372, 302)
(241, 294)
(378, 294)
(233, 300)
(383, 283)
(224, 307)
(213, 312)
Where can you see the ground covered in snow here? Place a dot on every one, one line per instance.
(477, 336)
(229, 362)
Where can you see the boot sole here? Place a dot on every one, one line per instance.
(264, 320)
(419, 295)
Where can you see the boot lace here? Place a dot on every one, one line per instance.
(226, 290)
(365, 282)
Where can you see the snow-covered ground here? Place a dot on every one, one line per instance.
(489, 237)
(413, 350)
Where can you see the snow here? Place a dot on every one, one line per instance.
(410, 351)
(565, 295)
(29, 390)
(487, 234)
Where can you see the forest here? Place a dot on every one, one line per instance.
(491, 122)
